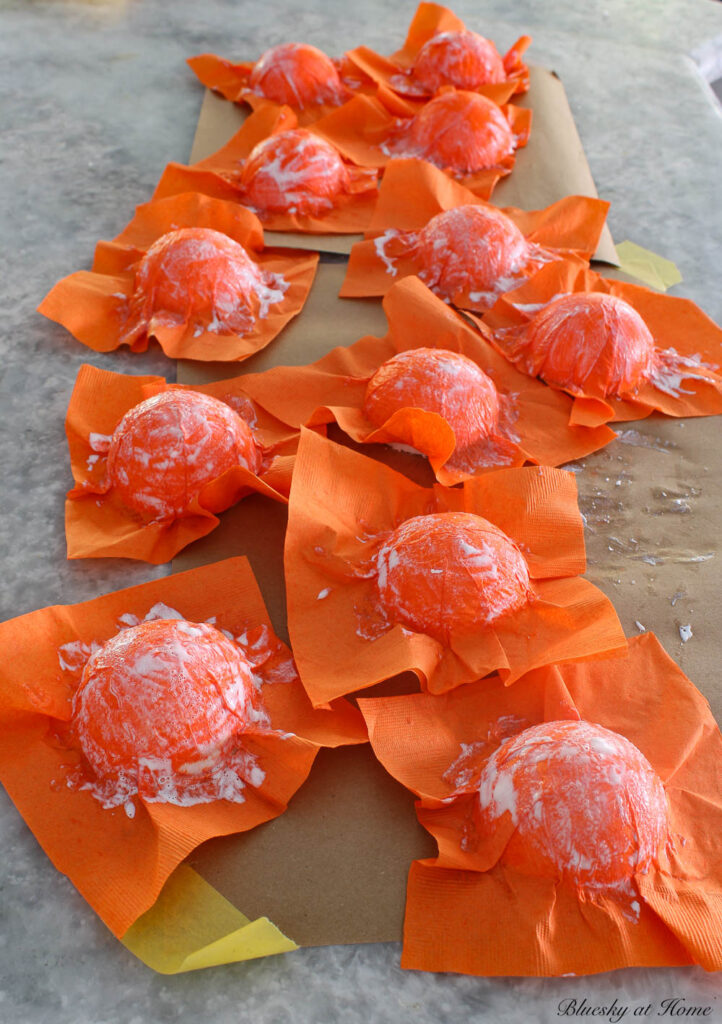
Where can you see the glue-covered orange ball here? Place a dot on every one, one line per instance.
(588, 342)
(585, 803)
(463, 131)
(165, 449)
(297, 74)
(439, 381)
(195, 272)
(469, 249)
(165, 697)
(293, 170)
(450, 573)
(462, 58)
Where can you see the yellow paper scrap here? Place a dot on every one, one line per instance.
(191, 926)
(646, 266)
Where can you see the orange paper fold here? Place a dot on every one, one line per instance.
(219, 175)
(98, 524)
(334, 388)
(94, 305)
(361, 129)
(394, 75)
(342, 508)
(675, 323)
(413, 191)
(231, 81)
(471, 916)
(119, 863)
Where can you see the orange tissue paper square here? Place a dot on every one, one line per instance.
(465, 250)
(455, 399)
(578, 818)
(154, 465)
(620, 350)
(142, 723)
(385, 577)
(190, 271)
(290, 178)
(439, 50)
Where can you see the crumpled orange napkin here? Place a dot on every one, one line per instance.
(394, 75)
(467, 915)
(98, 524)
(363, 129)
(342, 508)
(677, 325)
(119, 863)
(95, 305)
(219, 175)
(535, 422)
(413, 191)
(232, 81)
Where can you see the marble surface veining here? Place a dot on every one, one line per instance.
(96, 98)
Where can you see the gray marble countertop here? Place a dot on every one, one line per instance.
(96, 98)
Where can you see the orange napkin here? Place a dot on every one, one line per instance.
(468, 912)
(232, 81)
(536, 417)
(676, 324)
(119, 863)
(219, 175)
(95, 306)
(98, 523)
(394, 75)
(342, 508)
(414, 191)
(363, 130)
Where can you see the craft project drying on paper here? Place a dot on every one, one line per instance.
(191, 272)
(292, 179)
(455, 400)
(161, 712)
(138, 725)
(622, 351)
(440, 51)
(155, 465)
(465, 134)
(296, 75)
(576, 831)
(384, 576)
(465, 250)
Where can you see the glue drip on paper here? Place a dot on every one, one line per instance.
(580, 803)
(450, 574)
(298, 75)
(160, 709)
(474, 251)
(202, 278)
(463, 59)
(454, 387)
(596, 344)
(463, 132)
(165, 450)
(298, 172)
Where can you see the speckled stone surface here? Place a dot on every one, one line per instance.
(96, 98)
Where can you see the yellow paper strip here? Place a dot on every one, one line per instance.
(191, 926)
(653, 270)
